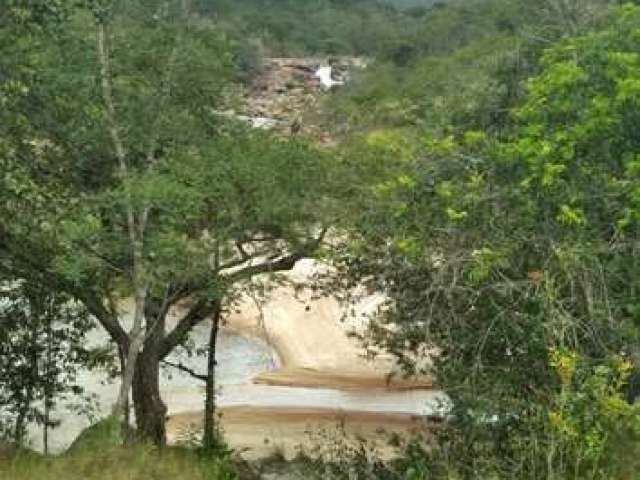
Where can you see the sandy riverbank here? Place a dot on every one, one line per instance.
(311, 338)
(341, 379)
(312, 341)
(261, 432)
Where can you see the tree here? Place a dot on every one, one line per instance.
(42, 348)
(211, 437)
(514, 257)
(141, 192)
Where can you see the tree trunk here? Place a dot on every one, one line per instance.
(126, 419)
(149, 408)
(20, 428)
(136, 341)
(21, 420)
(135, 227)
(211, 433)
(47, 390)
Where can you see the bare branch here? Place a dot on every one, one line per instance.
(106, 318)
(203, 308)
(243, 253)
(284, 263)
(184, 368)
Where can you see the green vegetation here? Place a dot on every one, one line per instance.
(509, 242)
(42, 347)
(138, 190)
(98, 453)
(486, 181)
(117, 463)
(326, 27)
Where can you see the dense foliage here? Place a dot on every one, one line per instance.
(511, 252)
(42, 347)
(122, 181)
(487, 181)
(326, 27)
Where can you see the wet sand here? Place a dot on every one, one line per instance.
(339, 379)
(292, 361)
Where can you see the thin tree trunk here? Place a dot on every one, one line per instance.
(21, 421)
(126, 419)
(19, 428)
(136, 341)
(45, 429)
(47, 388)
(136, 232)
(211, 432)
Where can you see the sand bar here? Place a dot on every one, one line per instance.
(312, 338)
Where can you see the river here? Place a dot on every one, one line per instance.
(239, 360)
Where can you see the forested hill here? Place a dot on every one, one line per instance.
(412, 3)
(297, 27)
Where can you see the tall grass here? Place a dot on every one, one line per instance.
(98, 454)
(138, 462)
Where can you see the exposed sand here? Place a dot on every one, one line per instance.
(341, 379)
(312, 342)
(311, 338)
(262, 432)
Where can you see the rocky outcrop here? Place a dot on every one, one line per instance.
(287, 89)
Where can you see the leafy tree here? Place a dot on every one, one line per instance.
(461, 67)
(139, 191)
(42, 347)
(516, 255)
(325, 27)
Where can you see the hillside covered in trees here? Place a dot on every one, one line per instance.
(447, 289)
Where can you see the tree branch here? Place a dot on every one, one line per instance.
(199, 312)
(203, 308)
(27, 266)
(107, 319)
(281, 264)
(184, 368)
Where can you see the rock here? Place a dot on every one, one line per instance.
(288, 88)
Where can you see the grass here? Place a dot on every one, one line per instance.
(98, 454)
(138, 462)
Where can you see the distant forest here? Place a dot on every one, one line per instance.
(346, 27)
